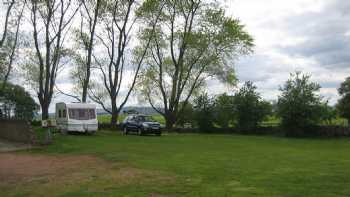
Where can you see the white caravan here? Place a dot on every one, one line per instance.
(79, 117)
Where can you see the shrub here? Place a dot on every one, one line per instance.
(186, 115)
(223, 109)
(343, 105)
(36, 123)
(203, 112)
(328, 114)
(300, 106)
(249, 108)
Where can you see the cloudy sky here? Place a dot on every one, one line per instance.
(312, 36)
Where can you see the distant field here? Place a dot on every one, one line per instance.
(110, 164)
(107, 118)
(273, 121)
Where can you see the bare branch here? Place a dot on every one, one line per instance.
(7, 17)
(13, 48)
(66, 94)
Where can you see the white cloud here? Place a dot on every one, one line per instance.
(297, 35)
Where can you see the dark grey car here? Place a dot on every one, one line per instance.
(141, 124)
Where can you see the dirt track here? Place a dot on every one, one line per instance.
(6, 146)
(19, 167)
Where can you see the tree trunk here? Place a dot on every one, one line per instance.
(170, 120)
(85, 87)
(44, 111)
(114, 118)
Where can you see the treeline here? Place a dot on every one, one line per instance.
(300, 109)
(162, 50)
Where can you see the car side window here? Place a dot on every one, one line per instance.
(133, 118)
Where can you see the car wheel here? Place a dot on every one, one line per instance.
(90, 132)
(139, 131)
(125, 131)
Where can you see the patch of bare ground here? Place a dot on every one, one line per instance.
(54, 173)
(7, 146)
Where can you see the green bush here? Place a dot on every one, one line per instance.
(300, 106)
(249, 108)
(223, 109)
(36, 123)
(186, 115)
(203, 112)
(328, 114)
(343, 105)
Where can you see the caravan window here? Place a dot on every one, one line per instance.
(82, 114)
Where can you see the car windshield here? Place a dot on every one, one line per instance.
(82, 114)
(145, 119)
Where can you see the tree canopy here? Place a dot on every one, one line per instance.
(16, 97)
(194, 41)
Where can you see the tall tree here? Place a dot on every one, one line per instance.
(85, 36)
(9, 38)
(194, 40)
(50, 21)
(118, 20)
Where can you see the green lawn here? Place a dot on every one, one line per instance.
(205, 165)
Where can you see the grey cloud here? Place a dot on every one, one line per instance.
(255, 68)
(324, 33)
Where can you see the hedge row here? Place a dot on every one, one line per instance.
(315, 131)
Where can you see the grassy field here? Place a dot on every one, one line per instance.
(107, 118)
(196, 165)
(270, 121)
